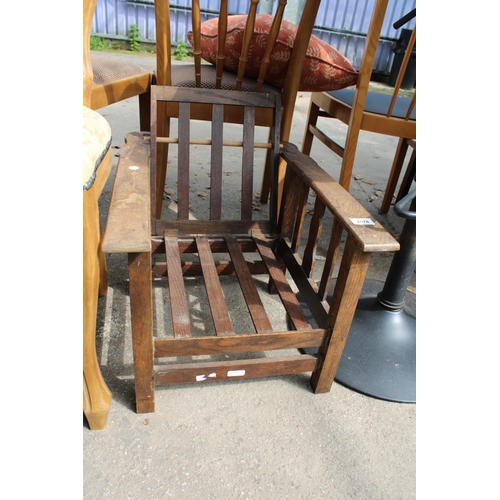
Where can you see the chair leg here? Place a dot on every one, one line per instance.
(351, 144)
(348, 288)
(96, 395)
(409, 177)
(312, 119)
(397, 165)
(141, 305)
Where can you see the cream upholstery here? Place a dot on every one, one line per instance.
(96, 143)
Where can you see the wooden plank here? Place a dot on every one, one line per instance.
(315, 228)
(224, 268)
(183, 166)
(216, 163)
(248, 342)
(234, 370)
(252, 298)
(305, 284)
(247, 164)
(187, 244)
(218, 307)
(178, 299)
(179, 94)
(217, 228)
(128, 227)
(286, 294)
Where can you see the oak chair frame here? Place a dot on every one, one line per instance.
(133, 228)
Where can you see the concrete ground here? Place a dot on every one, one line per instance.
(258, 439)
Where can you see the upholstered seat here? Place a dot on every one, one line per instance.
(96, 143)
(97, 162)
(378, 103)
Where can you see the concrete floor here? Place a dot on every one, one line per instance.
(259, 439)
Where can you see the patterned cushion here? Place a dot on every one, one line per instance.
(324, 68)
(96, 143)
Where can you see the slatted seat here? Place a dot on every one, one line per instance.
(236, 261)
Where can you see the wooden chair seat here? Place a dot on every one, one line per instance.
(115, 80)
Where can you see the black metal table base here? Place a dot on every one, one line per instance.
(379, 357)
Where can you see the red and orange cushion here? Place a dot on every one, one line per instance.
(324, 68)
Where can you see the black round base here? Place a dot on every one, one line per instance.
(379, 357)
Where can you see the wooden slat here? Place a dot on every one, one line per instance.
(208, 142)
(252, 298)
(305, 284)
(128, 228)
(234, 370)
(183, 166)
(212, 96)
(187, 244)
(224, 268)
(271, 40)
(301, 215)
(178, 299)
(251, 342)
(331, 257)
(218, 307)
(247, 164)
(216, 228)
(286, 294)
(313, 238)
(196, 28)
(247, 38)
(216, 163)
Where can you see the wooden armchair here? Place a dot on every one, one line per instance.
(235, 246)
(362, 109)
(207, 76)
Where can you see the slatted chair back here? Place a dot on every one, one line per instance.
(241, 220)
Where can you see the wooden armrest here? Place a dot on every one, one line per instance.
(128, 228)
(369, 238)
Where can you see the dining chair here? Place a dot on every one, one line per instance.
(97, 161)
(114, 80)
(362, 109)
(253, 52)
